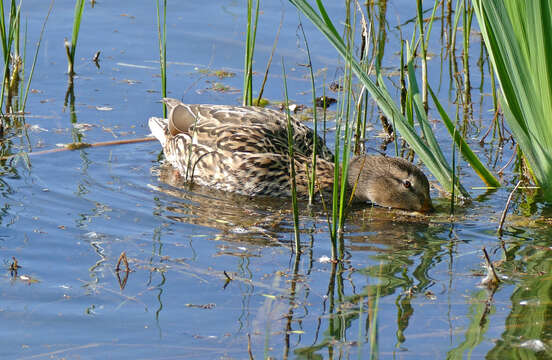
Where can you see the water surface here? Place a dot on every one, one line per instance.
(68, 216)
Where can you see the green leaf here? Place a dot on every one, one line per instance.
(436, 165)
(518, 38)
(472, 159)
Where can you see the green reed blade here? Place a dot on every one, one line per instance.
(14, 13)
(480, 169)
(162, 39)
(79, 8)
(518, 39)
(251, 35)
(36, 56)
(3, 31)
(292, 165)
(381, 96)
(312, 176)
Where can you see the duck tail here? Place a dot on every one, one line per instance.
(159, 128)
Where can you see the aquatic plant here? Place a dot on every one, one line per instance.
(162, 36)
(518, 38)
(14, 62)
(249, 51)
(293, 184)
(425, 146)
(71, 47)
(9, 36)
(312, 175)
(424, 40)
(23, 101)
(430, 157)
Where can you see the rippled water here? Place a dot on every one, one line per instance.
(411, 282)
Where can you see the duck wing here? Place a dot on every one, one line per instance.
(245, 173)
(235, 169)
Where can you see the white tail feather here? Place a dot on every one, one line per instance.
(158, 127)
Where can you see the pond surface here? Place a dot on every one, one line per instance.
(408, 288)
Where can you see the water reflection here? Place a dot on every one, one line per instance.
(402, 253)
(528, 327)
(239, 218)
(402, 250)
(70, 101)
(9, 159)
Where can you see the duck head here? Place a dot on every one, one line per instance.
(389, 182)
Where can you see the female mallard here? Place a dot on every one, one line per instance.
(245, 150)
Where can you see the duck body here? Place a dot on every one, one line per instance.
(245, 150)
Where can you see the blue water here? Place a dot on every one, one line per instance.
(67, 217)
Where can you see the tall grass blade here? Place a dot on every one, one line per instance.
(292, 166)
(249, 51)
(162, 38)
(261, 90)
(9, 40)
(36, 57)
(3, 35)
(346, 150)
(382, 97)
(518, 39)
(312, 175)
(79, 9)
(480, 169)
(7, 30)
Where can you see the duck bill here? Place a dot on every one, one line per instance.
(427, 206)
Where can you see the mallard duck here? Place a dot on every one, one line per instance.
(245, 150)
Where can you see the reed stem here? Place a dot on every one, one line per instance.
(293, 184)
(71, 47)
(312, 175)
(162, 37)
(249, 51)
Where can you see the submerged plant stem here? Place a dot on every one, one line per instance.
(505, 211)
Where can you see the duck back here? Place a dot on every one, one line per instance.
(239, 149)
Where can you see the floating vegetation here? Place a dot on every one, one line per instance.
(220, 87)
(221, 74)
(261, 102)
(14, 267)
(325, 101)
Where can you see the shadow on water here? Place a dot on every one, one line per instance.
(243, 218)
(401, 250)
(259, 221)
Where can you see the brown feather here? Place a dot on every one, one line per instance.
(245, 150)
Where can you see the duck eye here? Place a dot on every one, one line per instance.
(407, 184)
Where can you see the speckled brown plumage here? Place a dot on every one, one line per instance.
(245, 150)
